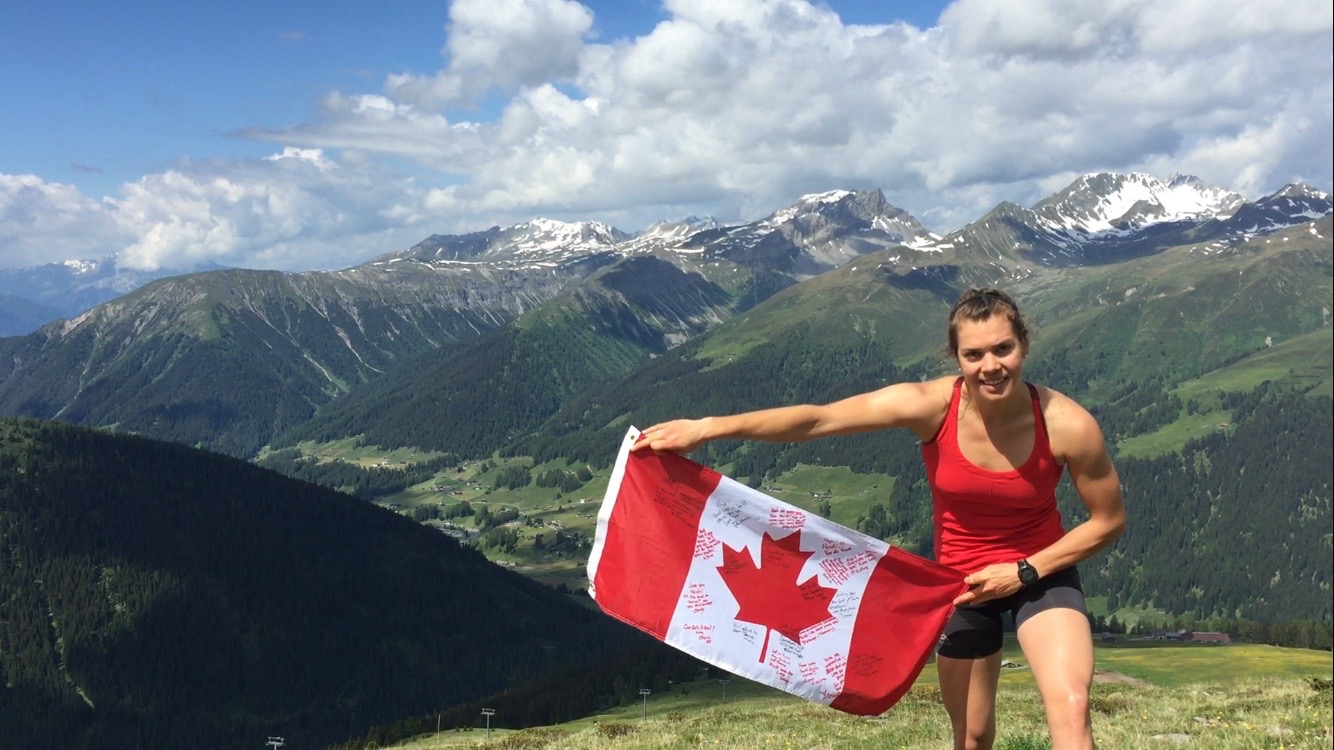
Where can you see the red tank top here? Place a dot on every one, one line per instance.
(984, 516)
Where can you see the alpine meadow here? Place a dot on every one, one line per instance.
(351, 507)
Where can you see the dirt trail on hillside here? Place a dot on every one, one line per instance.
(1106, 675)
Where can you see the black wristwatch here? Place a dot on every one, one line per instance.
(1028, 575)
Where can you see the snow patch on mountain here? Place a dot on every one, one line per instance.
(555, 240)
(81, 267)
(75, 285)
(670, 236)
(1110, 205)
(807, 204)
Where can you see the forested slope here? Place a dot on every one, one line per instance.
(156, 596)
(1235, 525)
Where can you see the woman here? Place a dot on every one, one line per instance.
(995, 448)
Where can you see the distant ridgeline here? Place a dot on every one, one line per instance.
(158, 596)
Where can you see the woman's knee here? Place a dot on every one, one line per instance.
(1068, 705)
(977, 738)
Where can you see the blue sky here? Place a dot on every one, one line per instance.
(300, 135)
(114, 91)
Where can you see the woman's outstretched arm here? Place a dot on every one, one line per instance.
(917, 406)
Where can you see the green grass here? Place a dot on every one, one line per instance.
(1303, 361)
(351, 450)
(1132, 616)
(850, 303)
(575, 511)
(850, 494)
(1128, 616)
(571, 511)
(1171, 437)
(1172, 664)
(1228, 697)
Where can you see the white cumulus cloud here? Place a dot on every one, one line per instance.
(41, 222)
(503, 44)
(295, 209)
(735, 109)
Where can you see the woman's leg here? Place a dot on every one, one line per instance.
(968, 690)
(1059, 647)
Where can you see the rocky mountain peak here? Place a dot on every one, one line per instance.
(538, 241)
(1295, 203)
(669, 235)
(544, 234)
(812, 218)
(1301, 190)
(680, 227)
(1105, 217)
(72, 286)
(819, 231)
(1103, 204)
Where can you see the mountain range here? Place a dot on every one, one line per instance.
(1195, 325)
(231, 359)
(166, 359)
(31, 297)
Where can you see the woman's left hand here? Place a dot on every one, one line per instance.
(992, 582)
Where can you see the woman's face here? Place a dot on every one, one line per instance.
(991, 357)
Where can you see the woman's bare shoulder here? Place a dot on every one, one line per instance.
(941, 386)
(1070, 426)
(931, 394)
(1056, 403)
(920, 405)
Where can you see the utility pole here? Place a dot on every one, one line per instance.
(275, 742)
(488, 713)
(645, 692)
(724, 684)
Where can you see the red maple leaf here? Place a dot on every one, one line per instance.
(770, 595)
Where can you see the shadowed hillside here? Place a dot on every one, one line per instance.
(155, 595)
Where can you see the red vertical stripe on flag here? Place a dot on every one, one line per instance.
(900, 620)
(650, 539)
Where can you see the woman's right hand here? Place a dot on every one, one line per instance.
(676, 436)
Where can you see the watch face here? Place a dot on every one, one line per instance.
(1027, 573)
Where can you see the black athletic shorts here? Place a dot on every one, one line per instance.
(974, 630)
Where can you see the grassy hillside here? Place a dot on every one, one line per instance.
(472, 398)
(226, 359)
(545, 510)
(1181, 314)
(1302, 363)
(872, 298)
(1226, 697)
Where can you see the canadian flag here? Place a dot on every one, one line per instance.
(762, 588)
